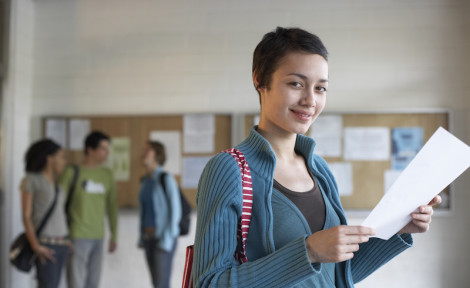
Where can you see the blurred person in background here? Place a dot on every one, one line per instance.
(91, 198)
(160, 214)
(45, 161)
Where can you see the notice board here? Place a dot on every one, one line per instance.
(133, 132)
(368, 177)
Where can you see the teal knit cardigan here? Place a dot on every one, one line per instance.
(219, 204)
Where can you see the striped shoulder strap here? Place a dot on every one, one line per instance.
(244, 224)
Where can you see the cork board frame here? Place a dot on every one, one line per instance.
(138, 129)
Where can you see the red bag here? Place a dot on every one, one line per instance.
(243, 226)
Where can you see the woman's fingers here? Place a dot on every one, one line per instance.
(354, 239)
(50, 255)
(45, 254)
(337, 244)
(435, 201)
(357, 230)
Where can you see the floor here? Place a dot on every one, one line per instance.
(127, 268)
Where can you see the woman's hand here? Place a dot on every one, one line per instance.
(43, 253)
(421, 219)
(336, 244)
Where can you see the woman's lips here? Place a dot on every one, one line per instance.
(302, 115)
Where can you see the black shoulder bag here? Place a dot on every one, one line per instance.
(21, 254)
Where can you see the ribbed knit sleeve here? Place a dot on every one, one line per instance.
(219, 203)
(375, 253)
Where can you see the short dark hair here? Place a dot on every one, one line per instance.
(93, 140)
(277, 44)
(36, 156)
(160, 154)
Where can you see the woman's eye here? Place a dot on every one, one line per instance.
(321, 89)
(296, 84)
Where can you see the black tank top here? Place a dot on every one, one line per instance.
(310, 204)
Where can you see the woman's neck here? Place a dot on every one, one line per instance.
(283, 144)
(48, 173)
(151, 168)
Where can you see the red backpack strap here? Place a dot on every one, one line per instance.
(247, 188)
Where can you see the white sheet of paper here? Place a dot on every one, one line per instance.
(56, 130)
(78, 130)
(199, 123)
(199, 131)
(343, 175)
(390, 176)
(327, 131)
(199, 143)
(172, 142)
(192, 170)
(442, 159)
(367, 143)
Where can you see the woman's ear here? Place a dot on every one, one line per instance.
(49, 160)
(255, 80)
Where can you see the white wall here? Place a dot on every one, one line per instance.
(125, 57)
(16, 114)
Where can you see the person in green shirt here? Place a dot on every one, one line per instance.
(92, 198)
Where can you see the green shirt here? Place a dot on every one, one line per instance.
(94, 196)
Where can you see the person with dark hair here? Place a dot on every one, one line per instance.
(298, 235)
(92, 197)
(45, 160)
(160, 214)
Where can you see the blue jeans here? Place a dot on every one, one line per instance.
(84, 269)
(49, 273)
(159, 262)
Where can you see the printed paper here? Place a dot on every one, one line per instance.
(442, 159)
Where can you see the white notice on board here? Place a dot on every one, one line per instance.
(192, 170)
(442, 159)
(199, 131)
(367, 144)
(172, 142)
(78, 130)
(343, 176)
(327, 132)
(56, 130)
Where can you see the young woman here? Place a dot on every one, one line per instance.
(160, 214)
(45, 160)
(298, 236)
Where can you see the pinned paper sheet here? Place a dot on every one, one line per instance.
(192, 170)
(442, 159)
(56, 129)
(172, 142)
(327, 131)
(78, 130)
(343, 174)
(366, 143)
(198, 133)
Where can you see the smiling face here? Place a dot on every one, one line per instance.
(296, 94)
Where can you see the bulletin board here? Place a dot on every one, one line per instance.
(137, 130)
(368, 176)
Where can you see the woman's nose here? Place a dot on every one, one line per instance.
(309, 98)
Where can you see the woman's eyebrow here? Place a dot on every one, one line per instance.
(303, 77)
